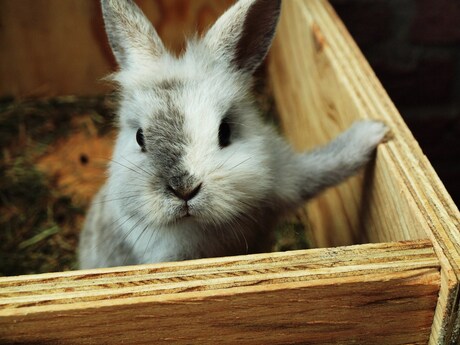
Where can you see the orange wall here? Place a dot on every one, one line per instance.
(58, 47)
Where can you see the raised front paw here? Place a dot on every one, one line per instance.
(366, 135)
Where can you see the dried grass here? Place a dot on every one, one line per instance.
(52, 160)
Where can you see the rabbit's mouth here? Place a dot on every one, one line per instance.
(186, 211)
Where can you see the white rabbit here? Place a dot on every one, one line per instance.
(195, 171)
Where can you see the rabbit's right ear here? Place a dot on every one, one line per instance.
(131, 35)
(243, 34)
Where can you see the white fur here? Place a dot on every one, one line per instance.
(246, 186)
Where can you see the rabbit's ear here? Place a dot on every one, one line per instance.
(244, 33)
(131, 35)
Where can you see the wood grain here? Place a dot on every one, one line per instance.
(322, 84)
(317, 101)
(55, 47)
(369, 294)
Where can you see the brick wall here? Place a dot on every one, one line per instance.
(414, 48)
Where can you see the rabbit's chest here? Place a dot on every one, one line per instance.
(161, 244)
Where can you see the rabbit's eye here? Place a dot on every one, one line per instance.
(140, 138)
(225, 132)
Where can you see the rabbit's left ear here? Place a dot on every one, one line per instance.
(131, 35)
(243, 34)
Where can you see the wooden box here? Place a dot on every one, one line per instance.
(387, 271)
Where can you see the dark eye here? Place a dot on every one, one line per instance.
(140, 138)
(225, 132)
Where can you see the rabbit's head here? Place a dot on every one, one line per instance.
(191, 146)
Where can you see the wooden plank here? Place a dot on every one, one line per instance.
(322, 73)
(55, 47)
(429, 197)
(317, 100)
(51, 47)
(368, 294)
(323, 83)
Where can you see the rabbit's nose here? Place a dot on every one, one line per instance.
(185, 194)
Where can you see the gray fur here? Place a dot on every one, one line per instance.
(166, 140)
(135, 37)
(141, 214)
(98, 243)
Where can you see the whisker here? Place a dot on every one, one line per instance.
(131, 169)
(137, 239)
(126, 235)
(139, 167)
(125, 166)
(108, 234)
(116, 199)
(235, 226)
(244, 236)
(154, 232)
(130, 190)
(239, 124)
(223, 163)
(112, 230)
(144, 180)
(244, 161)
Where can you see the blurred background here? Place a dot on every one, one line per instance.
(414, 48)
(56, 114)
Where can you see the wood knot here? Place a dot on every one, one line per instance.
(318, 37)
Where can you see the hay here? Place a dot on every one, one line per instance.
(52, 160)
(39, 218)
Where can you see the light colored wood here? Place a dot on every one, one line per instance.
(317, 101)
(368, 294)
(371, 294)
(322, 84)
(55, 47)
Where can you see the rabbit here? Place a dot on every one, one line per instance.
(196, 172)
